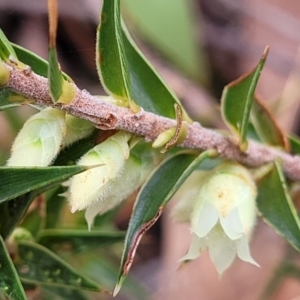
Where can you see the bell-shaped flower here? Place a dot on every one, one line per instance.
(93, 185)
(40, 139)
(223, 216)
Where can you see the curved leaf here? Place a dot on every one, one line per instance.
(276, 206)
(125, 72)
(10, 284)
(38, 265)
(110, 56)
(78, 240)
(37, 64)
(152, 199)
(237, 99)
(6, 49)
(147, 87)
(17, 181)
(266, 125)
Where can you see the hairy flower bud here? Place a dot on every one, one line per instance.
(94, 184)
(223, 216)
(136, 170)
(40, 139)
(77, 129)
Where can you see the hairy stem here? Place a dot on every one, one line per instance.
(108, 116)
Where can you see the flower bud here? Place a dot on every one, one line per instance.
(136, 170)
(40, 139)
(94, 184)
(224, 215)
(77, 129)
(4, 74)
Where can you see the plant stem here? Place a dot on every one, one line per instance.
(108, 116)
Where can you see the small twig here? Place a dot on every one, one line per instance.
(108, 116)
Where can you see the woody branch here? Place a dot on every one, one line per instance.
(108, 116)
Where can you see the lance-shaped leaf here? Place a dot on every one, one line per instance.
(276, 206)
(266, 126)
(6, 50)
(10, 284)
(152, 199)
(9, 99)
(37, 64)
(125, 72)
(237, 99)
(147, 87)
(294, 143)
(38, 265)
(17, 181)
(61, 90)
(110, 55)
(78, 240)
(55, 76)
(11, 212)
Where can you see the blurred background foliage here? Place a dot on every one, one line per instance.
(198, 46)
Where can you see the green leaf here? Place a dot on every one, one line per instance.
(9, 99)
(170, 26)
(17, 181)
(125, 72)
(59, 293)
(110, 56)
(148, 89)
(11, 212)
(152, 199)
(6, 49)
(38, 265)
(10, 284)
(55, 76)
(37, 64)
(276, 206)
(294, 143)
(266, 125)
(237, 99)
(78, 240)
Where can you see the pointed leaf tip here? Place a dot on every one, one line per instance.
(118, 286)
(237, 100)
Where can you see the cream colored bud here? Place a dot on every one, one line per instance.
(77, 129)
(135, 172)
(94, 184)
(40, 139)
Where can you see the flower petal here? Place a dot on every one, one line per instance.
(197, 246)
(221, 249)
(243, 250)
(204, 219)
(232, 225)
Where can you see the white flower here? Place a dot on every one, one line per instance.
(223, 216)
